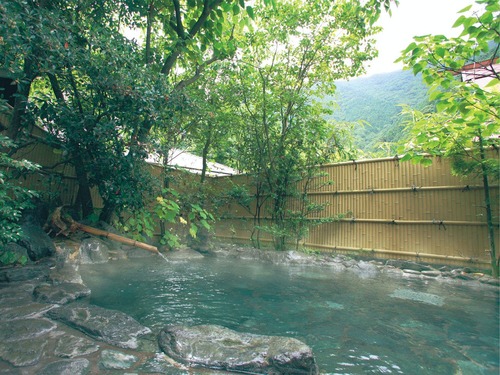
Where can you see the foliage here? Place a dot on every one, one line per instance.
(14, 198)
(170, 209)
(11, 258)
(467, 121)
(91, 89)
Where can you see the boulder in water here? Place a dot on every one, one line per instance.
(217, 347)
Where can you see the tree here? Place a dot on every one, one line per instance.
(14, 198)
(294, 53)
(467, 122)
(103, 103)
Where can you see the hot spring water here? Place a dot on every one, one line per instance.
(354, 325)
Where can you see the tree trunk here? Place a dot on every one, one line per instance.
(21, 99)
(148, 56)
(489, 215)
(84, 197)
(107, 212)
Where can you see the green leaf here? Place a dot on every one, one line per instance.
(193, 230)
(250, 12)
(460, 19)
(426, 161)
(466, 9)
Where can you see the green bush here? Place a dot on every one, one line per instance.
(13, 198)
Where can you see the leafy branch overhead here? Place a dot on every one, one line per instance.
(464, 78)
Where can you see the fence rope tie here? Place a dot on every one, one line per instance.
(393, 222)
(396, 160)
(353, 220)
(414, 188)
(466, 188)
(439, 223)
(355, 164)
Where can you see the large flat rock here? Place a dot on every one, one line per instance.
(217, 347)
(61, 293)
(110, 326)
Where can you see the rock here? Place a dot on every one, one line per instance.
(70, 346)
(22, 341)
(24, 329)
(183, 253)
(28, 272)
(115, 360)
(38, 244)
(364, 269)
(406, 265)
(61, 293)
(65, 273)
(490, 280)
(93, 250)
(110, 326)
(432, 273)
(411, 272)
(23, 352)
(217, 347)
(78, 366)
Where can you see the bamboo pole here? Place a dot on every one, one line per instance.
(115, 237)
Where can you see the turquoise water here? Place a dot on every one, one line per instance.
(355, 325)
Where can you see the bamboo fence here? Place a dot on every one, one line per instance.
(391, 209)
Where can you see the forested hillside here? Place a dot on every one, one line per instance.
(376, 101)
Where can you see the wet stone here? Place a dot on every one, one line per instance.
(93, 250)
(411, 272)
(183, 254)
(432, 273)
(78, 366)
(24, 329)
(70, 346)
(65, 273)
(60, 294)
(21, 353)
(24, 311)
(110, 326)
(115, 360)
(220, 348)
(28, 272)
(37, 243)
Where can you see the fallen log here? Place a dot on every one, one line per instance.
(65, 224)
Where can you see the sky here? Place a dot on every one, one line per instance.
(413, 18)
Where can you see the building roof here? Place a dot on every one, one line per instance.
(185, 160)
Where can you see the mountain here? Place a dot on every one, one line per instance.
(376, 101)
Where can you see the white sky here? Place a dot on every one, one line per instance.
(413, 18)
